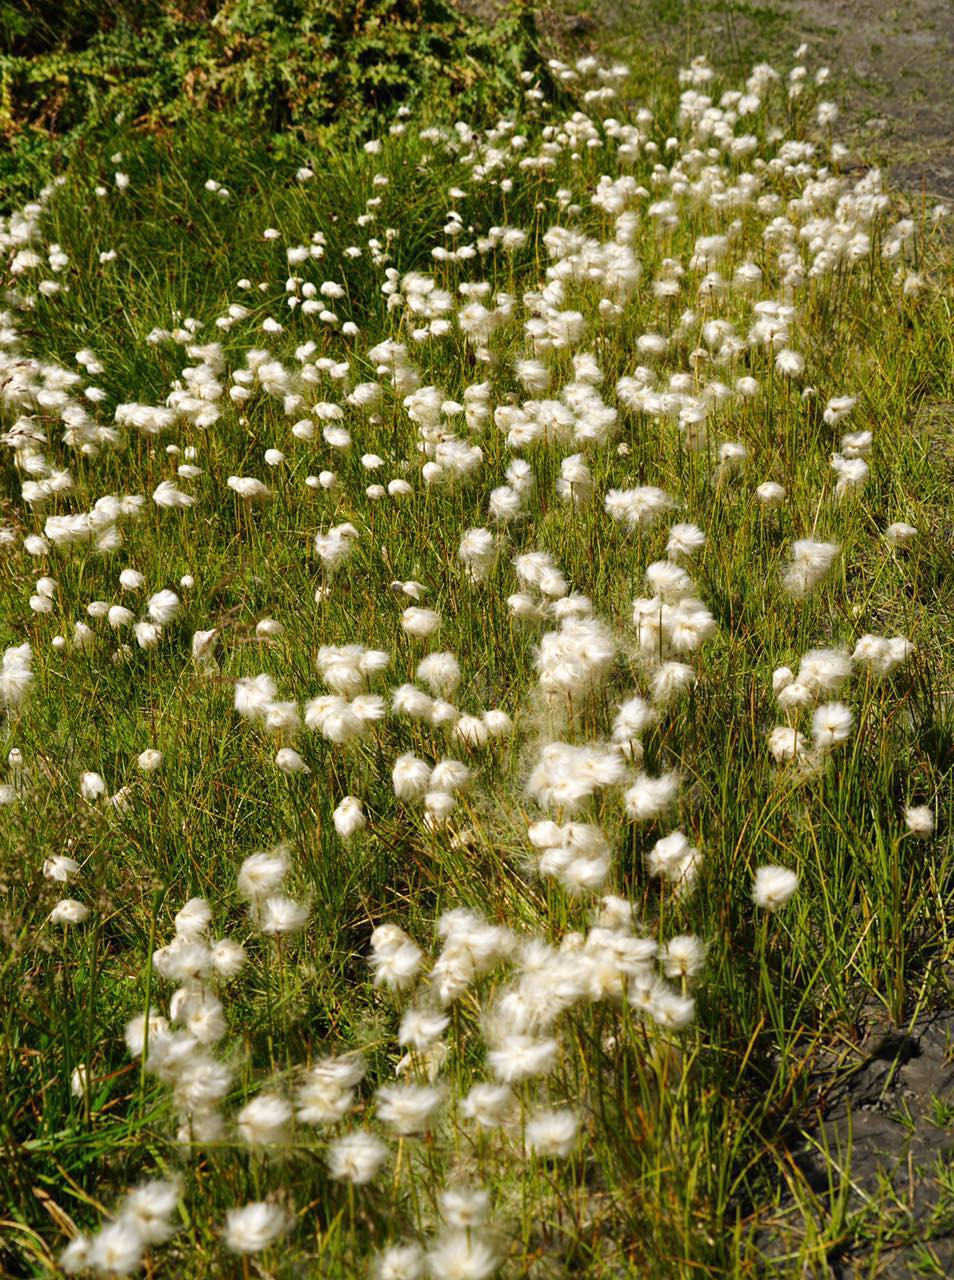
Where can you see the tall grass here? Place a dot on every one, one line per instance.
(683, 1141)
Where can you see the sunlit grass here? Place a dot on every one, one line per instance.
(683, 1134)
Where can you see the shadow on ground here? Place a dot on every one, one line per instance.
(875, 1173)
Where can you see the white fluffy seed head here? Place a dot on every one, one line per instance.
(773, 887)
(440, 672)
(349, 817)
(919, 820)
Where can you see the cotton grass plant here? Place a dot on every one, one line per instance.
(474, 694)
